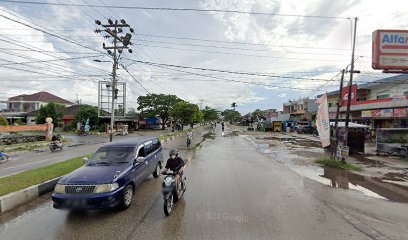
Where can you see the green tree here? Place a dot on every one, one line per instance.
(3, 121)
(257, 112)
(87, 112)
(231, 115)
(210, 114)
(157, 105)
(18, 122)
(52, 110)
(185, 112)
(198, 117)
(132, 113)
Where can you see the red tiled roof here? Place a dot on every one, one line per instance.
(40, 97)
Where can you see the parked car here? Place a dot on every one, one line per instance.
(306, 129)
(109, 178)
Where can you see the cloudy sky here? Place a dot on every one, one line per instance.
(265, 60)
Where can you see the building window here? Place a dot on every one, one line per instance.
(383, 96)
(405, 93)
(330, 104)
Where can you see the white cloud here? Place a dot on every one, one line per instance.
(308, 60)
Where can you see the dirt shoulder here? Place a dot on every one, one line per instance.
(381, 176)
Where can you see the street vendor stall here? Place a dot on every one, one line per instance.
(356, 136)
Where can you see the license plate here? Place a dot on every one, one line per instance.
(75, 202)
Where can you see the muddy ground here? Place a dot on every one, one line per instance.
(381, 176)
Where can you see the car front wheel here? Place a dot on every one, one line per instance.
(156, 172)
(127, 197)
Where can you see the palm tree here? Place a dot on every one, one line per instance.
(234, 105)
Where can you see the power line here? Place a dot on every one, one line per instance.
(324, 84)
(228, 71)
(48, 33)
(237, 42)
(50, 68)
(239, 48)
(181, 91)
(231, 80)
(124, 68)
(243, 54)
(30, 47)
(179, 9)
(42, 61)
(45, 51)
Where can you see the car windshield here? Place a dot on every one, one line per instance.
(112, 155)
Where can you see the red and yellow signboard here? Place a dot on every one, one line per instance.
(400, 112)
(344, 95)
(390, 50)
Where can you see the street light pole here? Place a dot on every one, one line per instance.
(350, 85)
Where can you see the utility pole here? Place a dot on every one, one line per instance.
(336, 122)
(114, 29)
(350, 85)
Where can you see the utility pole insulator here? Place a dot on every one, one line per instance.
(114, 29)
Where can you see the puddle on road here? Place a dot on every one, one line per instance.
(370, 186)
(303, 142)
(393, 186)
(280, 139)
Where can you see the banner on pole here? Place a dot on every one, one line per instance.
(323, 121)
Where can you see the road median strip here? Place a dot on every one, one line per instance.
(23, 187)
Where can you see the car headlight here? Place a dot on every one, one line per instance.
(59, 188)
(103, 188)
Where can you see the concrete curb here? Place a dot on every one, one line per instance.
(15, 199)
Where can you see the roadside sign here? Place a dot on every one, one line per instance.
(343, 152)
(390, 50)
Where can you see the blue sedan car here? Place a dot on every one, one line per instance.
(110, 177)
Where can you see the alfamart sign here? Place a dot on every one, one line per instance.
(390, 50)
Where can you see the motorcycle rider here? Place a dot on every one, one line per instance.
(189, 136)
(56, 139)
(175, 163)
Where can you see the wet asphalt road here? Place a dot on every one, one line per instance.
(233, 192)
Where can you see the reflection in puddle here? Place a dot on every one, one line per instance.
(393, 186)
(373, 187)
(337, 178)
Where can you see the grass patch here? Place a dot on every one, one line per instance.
(36, 176)
(177, 133)
(404, 159)
(327, 162)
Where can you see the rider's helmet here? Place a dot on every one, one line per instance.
(173, 152)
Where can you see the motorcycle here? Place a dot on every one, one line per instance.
(82, 132)
(189, 138)
(54, 146)
(169, 189)
(3, 157)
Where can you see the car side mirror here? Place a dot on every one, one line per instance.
(85, 159)
(139, 159)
